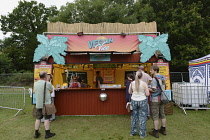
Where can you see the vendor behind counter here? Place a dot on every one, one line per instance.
(75, 83)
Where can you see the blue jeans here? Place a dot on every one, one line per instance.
(139, 113)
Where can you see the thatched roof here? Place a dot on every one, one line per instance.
(142, 27)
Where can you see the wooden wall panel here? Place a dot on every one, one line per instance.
(115, 58)
(87, 102)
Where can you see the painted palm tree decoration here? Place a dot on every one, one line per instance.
(149, 46)
(54, 47)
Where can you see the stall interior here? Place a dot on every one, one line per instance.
(112, 74)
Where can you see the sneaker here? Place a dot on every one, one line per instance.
(162, 130)
(131, 135)
(154, 133)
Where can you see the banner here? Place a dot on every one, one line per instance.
(41, 67)
(107, 43)
(164, 70)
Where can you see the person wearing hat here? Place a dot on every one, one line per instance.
(75, 83)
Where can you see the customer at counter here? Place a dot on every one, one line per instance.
(75, 83)
(130, 78)
(99, 79)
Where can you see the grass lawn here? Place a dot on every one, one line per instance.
(193, 126)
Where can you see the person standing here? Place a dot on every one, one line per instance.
(157, 108)
(39, 87)
(130, 78)
(74, 84)
(99, 79)
(147, 79)
(139, 91)
(49, 79)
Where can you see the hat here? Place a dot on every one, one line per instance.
(141, 67)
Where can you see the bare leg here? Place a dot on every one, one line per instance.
(163, 122)
(47, 124)
(156, 124)
(37, 124)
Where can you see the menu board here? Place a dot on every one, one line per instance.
(41, 67)
(164, 70)
(108, 76)
(106, 73)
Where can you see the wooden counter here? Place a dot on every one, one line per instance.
(86, 101)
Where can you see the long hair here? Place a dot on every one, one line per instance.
(137, 82)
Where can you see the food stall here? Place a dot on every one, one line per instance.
(114, 49)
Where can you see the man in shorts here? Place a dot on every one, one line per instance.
(157, 108)
(39, 87)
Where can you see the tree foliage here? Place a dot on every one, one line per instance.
(97, 11)
(187, 26)
(26, 21)
(6, 64)
(186, 22)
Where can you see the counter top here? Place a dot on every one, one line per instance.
(91, 88)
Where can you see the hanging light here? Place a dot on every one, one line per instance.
(80, 33)
(123, 34)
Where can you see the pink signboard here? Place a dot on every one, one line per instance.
(96, 43)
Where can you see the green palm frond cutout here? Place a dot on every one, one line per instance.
(54, 47)
(150, 45)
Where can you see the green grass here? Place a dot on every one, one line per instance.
(193, 126)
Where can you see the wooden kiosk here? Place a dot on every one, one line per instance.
(112, 49)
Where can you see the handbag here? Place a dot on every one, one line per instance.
(48, 109)
(163, 96)
(128, 105)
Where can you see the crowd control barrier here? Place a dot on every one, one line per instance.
(12, 98)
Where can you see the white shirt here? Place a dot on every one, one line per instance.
(138, 96)
(53, 92)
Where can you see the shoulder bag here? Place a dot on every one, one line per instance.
(163, 96)
(48, 109)
(128, 105)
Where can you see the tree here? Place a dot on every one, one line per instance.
(26, 21)
(6, 64)
(187, 25)
(97, 11)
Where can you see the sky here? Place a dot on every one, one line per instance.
(7, 6)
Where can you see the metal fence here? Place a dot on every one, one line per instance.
(12, 98)
(190, 95)
(179, 77)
